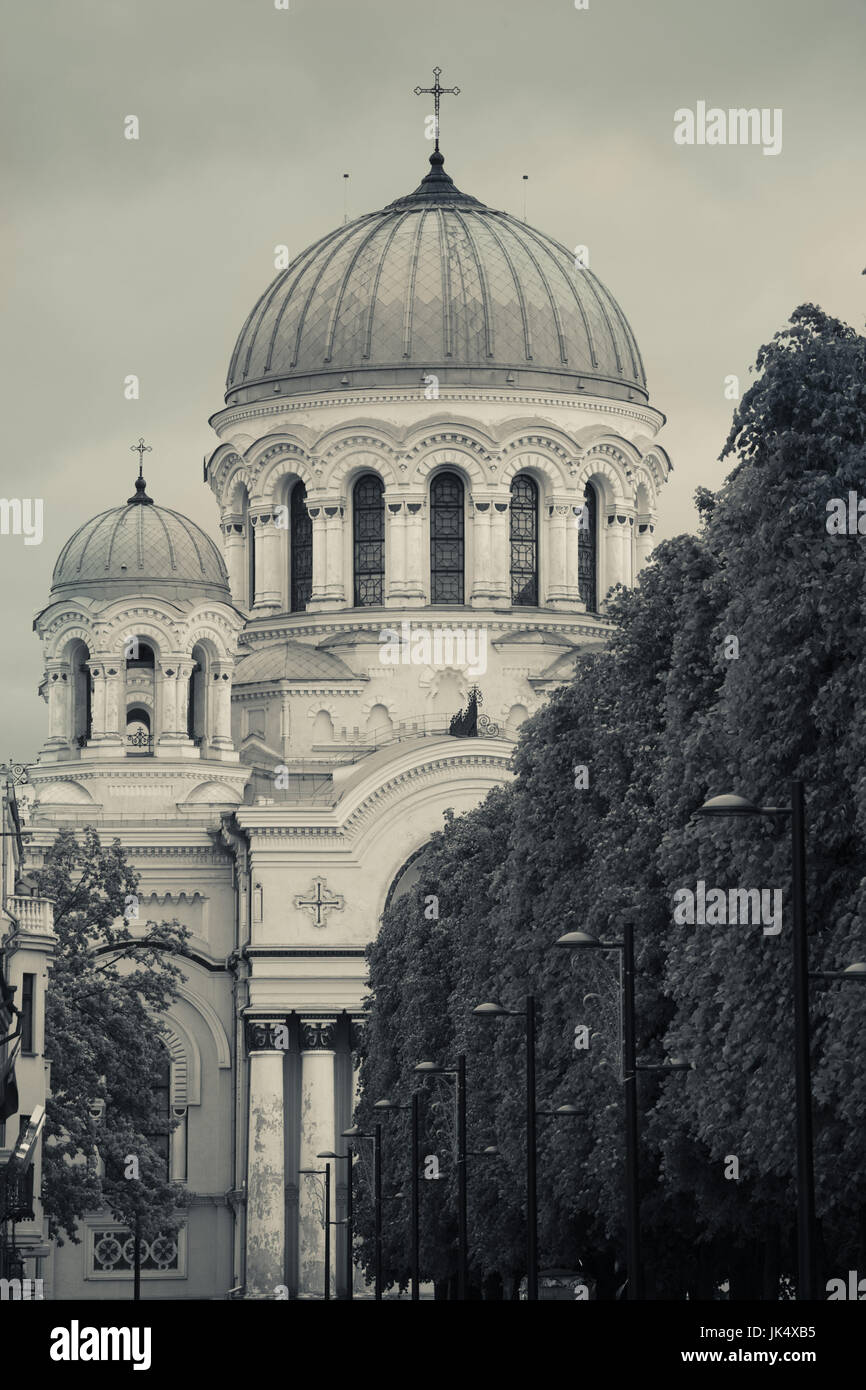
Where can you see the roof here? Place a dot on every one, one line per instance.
(291, 661)
(137, 547)
(435, 282)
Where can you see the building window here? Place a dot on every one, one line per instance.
(301, 550)
(251, 562)
(587, 550)
(160, 1137)
(139, 738)
(524, 541)
(368, 529)
(446, 539)
(28, 990)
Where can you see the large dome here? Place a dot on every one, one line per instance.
(139, 548)
(436, 282)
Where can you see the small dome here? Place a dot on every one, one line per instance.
(138, 548)
(436, 282)
(291, 661)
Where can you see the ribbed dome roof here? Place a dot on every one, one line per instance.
(141, 547)
(435, 282)
(291, 661)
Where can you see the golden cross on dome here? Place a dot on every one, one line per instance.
(141, 449)
(436, 92)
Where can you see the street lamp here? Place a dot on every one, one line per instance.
(350, 1268)
(415, 1214)
(581, 940)
(577, 940)
(459, 1073)
(355, 1132)
(326, 1219)
(495, 1011)
(730, 805)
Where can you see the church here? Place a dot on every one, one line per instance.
(436, 432)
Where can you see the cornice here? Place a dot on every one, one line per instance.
(237, 414)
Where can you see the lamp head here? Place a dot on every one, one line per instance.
(428, 1069)
(728, 805)
(572, 940)
(491, 1011)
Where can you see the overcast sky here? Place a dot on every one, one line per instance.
(145, 257)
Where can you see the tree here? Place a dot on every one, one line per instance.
(108, 989)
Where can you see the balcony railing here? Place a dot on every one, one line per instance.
(32, 914)
(140, 743)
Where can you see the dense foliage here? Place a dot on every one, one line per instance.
(672, 711)
(109, 986)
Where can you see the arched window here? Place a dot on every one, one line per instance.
(524, 541)
(140, 687)
(302, 550)
(587, 550)
(81, 693)
(196, 696)
(251, 562)
(368, 531)
(446, 539)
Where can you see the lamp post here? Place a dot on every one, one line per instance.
(580, 940)
(355, 1132)
(350, 1268)
(415, 1216)
(491, 1011)
(730, 805)
(459, 1073)
(326, 1220)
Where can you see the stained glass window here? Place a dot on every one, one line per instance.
(302, 550)
(368, 512)
(587, 550)
(446, 539)
(524, 541)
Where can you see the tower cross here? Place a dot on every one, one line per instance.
(141, 449)
(436, 92)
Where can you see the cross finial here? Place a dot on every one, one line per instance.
(141, 449)
(436, 92)
(140, 495)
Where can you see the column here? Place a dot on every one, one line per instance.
(266, 1179)
(173, 688)
(557, 526)
(57, 684)
(500, 550)
(395, 552)
(617, 545)
(416, 583)
(319, 596)
(483, 590)
(234, 551)
(268, 587)
(317, 1136)
(97, 698)
(220, 744)
(335, 551)
(643, 541)
(563, 592)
